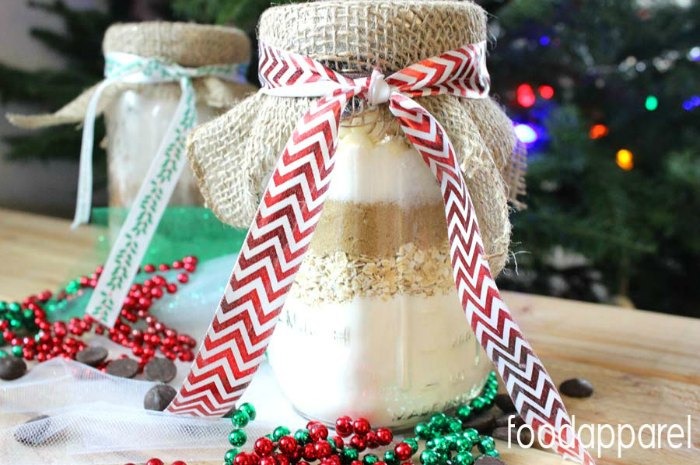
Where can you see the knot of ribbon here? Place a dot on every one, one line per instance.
(378, 91)
(162, 176)
(280, 234)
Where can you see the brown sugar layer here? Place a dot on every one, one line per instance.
(378, 229)
(340, 277)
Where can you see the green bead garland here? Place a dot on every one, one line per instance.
(230, 455)
(20, 321)
(486, 444)
(370, 459)
(390, 457)
(279, 432)
(463, 458)
(240, 419)
(447, 442)
(302, 436)
(349, 454)
(423, 431)
(249, 410)
(237, 437)
(429, 457)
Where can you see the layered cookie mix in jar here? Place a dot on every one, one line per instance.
(138, 117)
(373, 325)
(374, 303)
(140, 102)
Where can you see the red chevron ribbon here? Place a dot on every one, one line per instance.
(291, 206)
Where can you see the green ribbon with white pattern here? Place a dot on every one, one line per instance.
(162, 176)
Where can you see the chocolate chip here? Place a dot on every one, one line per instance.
(483, 423)
(123, 367)
(486, 460)
(34, 432)
(505, 420)
(92, 356)
(576, 387)
(12, 367)
(158, 397)
(160, 369)
(504, 434)
(505, 403)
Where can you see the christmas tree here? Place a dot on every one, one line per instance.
(603, 92)
(81, 47)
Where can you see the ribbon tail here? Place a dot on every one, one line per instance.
(528, 383)
(84, 196)
(143, 218)
(272, 253)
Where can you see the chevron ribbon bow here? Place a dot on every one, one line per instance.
(162, 176)
(280, 234)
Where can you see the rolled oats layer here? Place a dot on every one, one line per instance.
(340, 276)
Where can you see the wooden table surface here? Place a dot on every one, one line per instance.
(645, 366)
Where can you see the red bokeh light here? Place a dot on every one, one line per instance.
(546, 92)
(525, 95)
(598, 131)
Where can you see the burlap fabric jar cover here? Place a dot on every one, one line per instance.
(374, 307)
(137, 115)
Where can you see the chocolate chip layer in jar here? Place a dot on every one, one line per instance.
(373, 326)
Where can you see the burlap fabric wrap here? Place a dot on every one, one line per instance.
(189, 45)
(233, 155)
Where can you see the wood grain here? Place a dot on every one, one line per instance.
(645, 366)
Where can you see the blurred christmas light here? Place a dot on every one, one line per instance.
(598, 131)
(545, 40)
(692, 103)
(694, 54)
(651, 103)
(525, 133)
(525, 95)
(546, 92)
(624, 159)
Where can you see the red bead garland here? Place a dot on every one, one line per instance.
(343, 426)
(315, 445)
(384, 436)
(361, 426)
(135, 329)
(403, 451)
(157, 461)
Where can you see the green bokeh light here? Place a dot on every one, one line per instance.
(651, 103)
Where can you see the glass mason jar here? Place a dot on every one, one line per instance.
(373, 325)
(136, 122)
(137, 116)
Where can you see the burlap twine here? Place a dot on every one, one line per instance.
(233, 155)
(189, 45)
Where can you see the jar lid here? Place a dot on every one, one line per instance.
(360, 35)
(187, 44)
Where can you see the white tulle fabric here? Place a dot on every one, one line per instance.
(97, 419)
